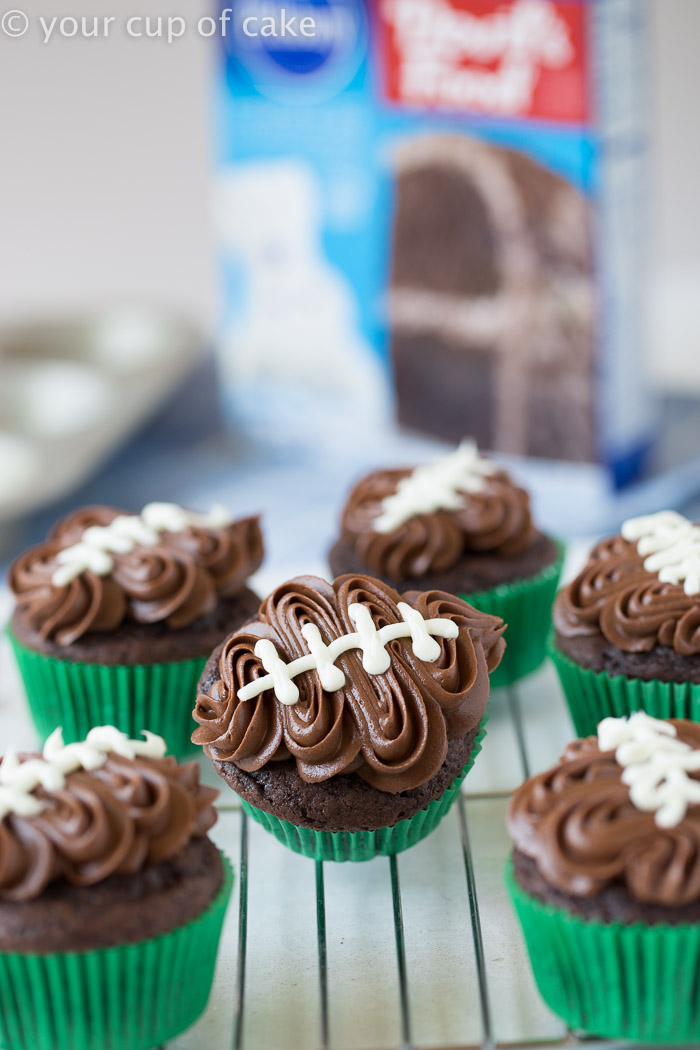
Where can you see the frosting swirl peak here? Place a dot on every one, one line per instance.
(392, 727)
(580, 825)
(105, 814)
(407, 523)
(100, 567)
(631, 596)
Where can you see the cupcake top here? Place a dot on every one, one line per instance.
(100, 567)
(349, 677)
(639, 589)
(105, 806)
(408, 522)
(619, 809)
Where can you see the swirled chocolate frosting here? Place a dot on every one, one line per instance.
(176, 581)
(576, 821)
(391, 729)
(617, 598)
(115, 820)
(496, 519)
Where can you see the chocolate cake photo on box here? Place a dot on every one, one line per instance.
(605, 879)
(627, 628)
(112, 895)
(460, 524)
(115, 615)
(347, 715)
(491, 303)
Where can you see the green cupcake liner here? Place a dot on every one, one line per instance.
(526, 606)
(594, 695)
(364, 845)
(131, 997)
(78, 696)
(621, 982)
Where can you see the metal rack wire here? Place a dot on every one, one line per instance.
(520, 745)
(394, 944)
(324, 1038)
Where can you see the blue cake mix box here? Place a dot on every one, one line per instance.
(433, 209)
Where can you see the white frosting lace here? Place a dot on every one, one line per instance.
(670, 546)
(436, 486)
(656, 765)
(322, 657)
(126, 532)
(19, 778)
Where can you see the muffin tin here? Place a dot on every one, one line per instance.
(72, 390)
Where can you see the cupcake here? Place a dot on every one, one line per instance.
(627, 630)
(116, 615)
(346, 716)
(112, 896)
(605, 879)
(463, 526)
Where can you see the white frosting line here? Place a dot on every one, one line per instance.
(670, 546)
(94, 551)
(656, 765)
(332, 677)
(18, 779)
(436, 486)
(322, 657)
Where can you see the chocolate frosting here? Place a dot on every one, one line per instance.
(496, 519)
(176, 581)
(391, 729)
(117, 819)
(616, 597)
(576, 821)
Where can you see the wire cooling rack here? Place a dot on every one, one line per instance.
(417, 951)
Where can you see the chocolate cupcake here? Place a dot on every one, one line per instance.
(112, 896)
(116, 615)
(459, 525)
(346, 716)
(627, 629)
(605, 878)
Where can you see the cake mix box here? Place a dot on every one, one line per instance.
(447, 196)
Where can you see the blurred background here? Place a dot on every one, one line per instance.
(124, 376)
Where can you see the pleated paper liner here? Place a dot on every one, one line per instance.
(621, 982)
(364, 845)
(131, 997)
(526, 606)
(594, 695)
(78, 696)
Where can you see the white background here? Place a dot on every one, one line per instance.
(105, 172)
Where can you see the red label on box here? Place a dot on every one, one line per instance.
(516, 58)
